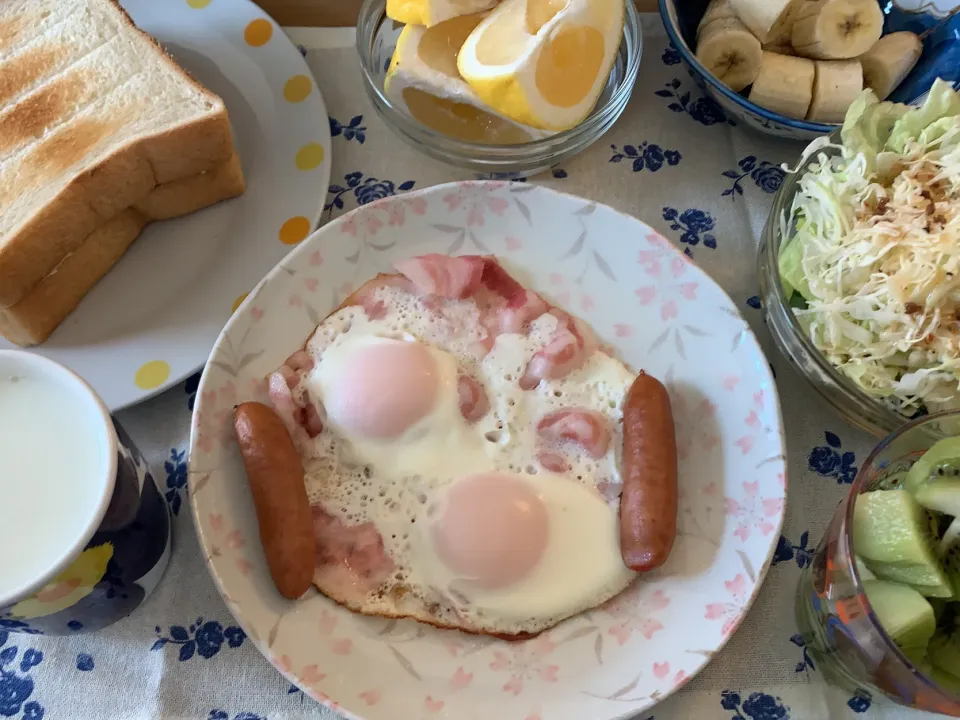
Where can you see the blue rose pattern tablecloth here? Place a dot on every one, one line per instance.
(672, 160)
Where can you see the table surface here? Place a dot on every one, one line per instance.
(340, 13)
(673, 160)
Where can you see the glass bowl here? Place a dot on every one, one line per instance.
(376, 39)
(852, 403)
(839, 628)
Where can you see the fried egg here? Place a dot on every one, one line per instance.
(452, 522)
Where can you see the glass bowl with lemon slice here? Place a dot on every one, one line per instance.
(499, 87)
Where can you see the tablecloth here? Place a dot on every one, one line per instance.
(674, 161)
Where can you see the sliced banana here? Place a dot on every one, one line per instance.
(889, 61)
(716, 10)
(836, 85)
(784, 85)
(730, 52)
(781, 34)
(779, 49)
(837, 29)
(765, 18)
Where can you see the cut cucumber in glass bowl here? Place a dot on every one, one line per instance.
(879, 606)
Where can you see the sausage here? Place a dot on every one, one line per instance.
(648, 505)
(275, 473)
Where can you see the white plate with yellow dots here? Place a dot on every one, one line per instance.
(155, 317)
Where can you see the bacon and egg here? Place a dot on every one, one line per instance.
(459, 437)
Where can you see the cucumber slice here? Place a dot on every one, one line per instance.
(942, 455)
(905, 614)
(890, 527)
(864, 571)
(941, 494)
(928, 580)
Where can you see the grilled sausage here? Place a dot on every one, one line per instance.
(648, 505)
(275, 473)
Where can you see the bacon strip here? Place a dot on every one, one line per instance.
(351, 560)
(443, 275)
(364, 295)
(572, 343)
(474, 403)
(300, 362)
(588, 428)
(302, 419)
(553, 461)
(311, 419)
(498, 281)
(522, 310)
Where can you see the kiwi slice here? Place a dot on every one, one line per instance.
(889, 526)
(904, 614)
(941, 494)
(942, 459)
(951, 566)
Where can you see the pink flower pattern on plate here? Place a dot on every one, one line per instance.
(214, 422)
(476, 204)
(753, 423)
(526, 661)
(634, 611)
(751, 512)
(730, 610)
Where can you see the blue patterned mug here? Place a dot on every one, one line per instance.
(84, 530)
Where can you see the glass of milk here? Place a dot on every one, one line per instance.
(84, 529)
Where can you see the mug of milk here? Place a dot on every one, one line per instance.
(84, 530)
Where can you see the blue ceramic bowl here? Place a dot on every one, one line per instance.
(941, 57)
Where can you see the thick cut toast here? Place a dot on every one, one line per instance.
(93, 115)
(43, 308)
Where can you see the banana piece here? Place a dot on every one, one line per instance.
(730, 52)
(765, 18)
(716, 10)
(779, 49)
(784, 85)
(889, 61)
(781, 34)
(837, 29)
(836, 85)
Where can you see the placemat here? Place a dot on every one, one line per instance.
(674, 161)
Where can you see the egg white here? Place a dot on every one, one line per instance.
(581, 561)
(392, 483)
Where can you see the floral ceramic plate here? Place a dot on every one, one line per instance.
(153, 319)
(660, 312)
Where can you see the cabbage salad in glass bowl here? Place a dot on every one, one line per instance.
(872, 265)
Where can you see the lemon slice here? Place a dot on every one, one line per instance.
(431, 12)
(423, 80)
(543, 63)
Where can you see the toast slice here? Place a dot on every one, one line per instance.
(181, 197)
(40, 312)
(93, 115)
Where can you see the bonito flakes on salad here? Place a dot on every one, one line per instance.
(872, 269)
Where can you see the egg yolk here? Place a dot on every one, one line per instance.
(491, 530)
(384, 389)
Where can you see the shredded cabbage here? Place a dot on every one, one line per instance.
(875, 251)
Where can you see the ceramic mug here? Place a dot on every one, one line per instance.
(84, 529)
